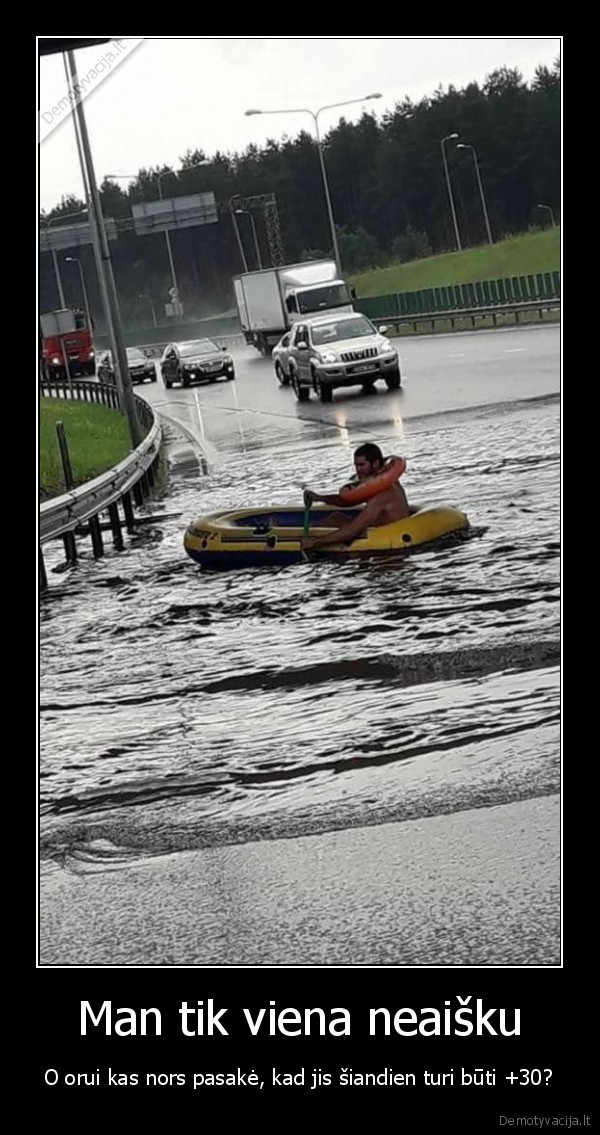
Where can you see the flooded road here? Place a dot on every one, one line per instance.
(184, 711)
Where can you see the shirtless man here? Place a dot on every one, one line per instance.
(385, 507)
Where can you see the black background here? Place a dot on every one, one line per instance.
(554, 1006)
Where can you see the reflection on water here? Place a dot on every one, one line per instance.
(182, 710)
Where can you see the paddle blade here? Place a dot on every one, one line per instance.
(307, 502)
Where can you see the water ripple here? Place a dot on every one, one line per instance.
(181, 709)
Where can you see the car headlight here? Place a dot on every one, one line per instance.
(92, 355)
(388, 349)
(55, 362)
(328, 357)
(228, 360)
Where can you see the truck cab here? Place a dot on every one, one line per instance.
(271, 300)
(320, 299)
(66, 344)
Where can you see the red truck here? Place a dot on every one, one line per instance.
(66, 342)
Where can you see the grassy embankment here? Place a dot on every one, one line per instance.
(523, 255)
(97, 439)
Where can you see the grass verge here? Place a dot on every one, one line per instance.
(97, 438)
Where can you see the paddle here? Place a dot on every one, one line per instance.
(307, 504)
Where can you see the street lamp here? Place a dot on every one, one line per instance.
(77, 261)
(466, 146)
(315, 117)
(550, 212)
(51, 221)
(456, 232)
(233, 212)
(151, 306)
(249, 214)
(159, 176)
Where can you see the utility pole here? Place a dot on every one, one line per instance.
(103, 261)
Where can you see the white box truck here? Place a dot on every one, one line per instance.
(271, 300)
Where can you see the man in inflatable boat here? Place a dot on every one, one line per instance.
(377, 484)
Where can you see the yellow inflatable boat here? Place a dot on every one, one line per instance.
(272, 536)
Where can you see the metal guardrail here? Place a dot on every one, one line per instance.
(472, 313)
(83, 390)
(66, 513)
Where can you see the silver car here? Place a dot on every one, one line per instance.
(140, 367)
(281, 359)
(340, 350)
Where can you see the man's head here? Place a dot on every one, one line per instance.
(368, 460)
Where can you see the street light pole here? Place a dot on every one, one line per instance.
(165, 173)
(159, 176)
(77, 261)
(106, 277)
(62, 217)
(61, 294)
(315, 117)
(233, 212)
(252, 222)
(550, 212)
(336, 250)
(151, 306)
(169, 249)
(449, 187)
(466, 146)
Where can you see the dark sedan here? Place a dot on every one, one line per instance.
(140, 368)
(195, 361)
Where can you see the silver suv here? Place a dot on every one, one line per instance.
(340, 350)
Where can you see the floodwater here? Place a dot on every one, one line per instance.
(183, 710)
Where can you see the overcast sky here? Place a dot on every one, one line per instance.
(172, 95)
